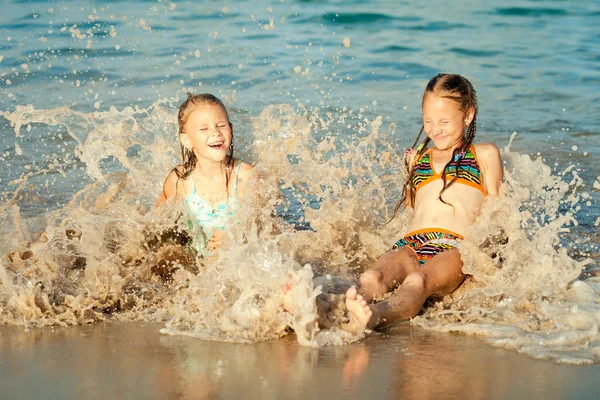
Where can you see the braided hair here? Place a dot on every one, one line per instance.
(188, 157)
(460, 90)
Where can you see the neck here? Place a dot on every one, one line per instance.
(210, 169)
(451, 148)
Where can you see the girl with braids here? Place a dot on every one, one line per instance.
(446, 187)
(210, 179)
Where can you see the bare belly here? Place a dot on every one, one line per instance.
(463, 204)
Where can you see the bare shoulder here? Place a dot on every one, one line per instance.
(487, 150)
(174, 185)
(245, 169)
(488, 155)
(244, 173)
(489, 160)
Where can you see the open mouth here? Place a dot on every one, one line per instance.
(217, 145)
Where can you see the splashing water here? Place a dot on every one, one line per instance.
(317, 219)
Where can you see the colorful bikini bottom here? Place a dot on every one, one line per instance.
(429, 243)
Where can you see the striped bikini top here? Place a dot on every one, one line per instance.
(205, 218)
(470, 173)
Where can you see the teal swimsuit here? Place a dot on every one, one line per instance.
(205, 219)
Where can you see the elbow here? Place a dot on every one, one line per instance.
(161, 199)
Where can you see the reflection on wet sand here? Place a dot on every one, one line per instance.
(134, 361)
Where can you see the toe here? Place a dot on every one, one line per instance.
(351, 293)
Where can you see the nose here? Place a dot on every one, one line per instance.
(436, 128)
(216, 131)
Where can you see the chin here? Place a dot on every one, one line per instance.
(444, 145)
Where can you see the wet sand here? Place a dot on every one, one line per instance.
(135, 361)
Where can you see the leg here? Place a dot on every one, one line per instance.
(388, 272)
(438, 277)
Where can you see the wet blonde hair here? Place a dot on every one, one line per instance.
(188, 157)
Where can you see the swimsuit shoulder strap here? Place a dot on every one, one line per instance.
(471, 150)
(193, 184)
(237, 174)
(422, 170)
(424, 158)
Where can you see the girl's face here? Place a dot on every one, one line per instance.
(207, 132)
(444, 122)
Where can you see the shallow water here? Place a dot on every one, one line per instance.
(133, 361)
(324, 97)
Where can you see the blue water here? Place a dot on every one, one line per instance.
(534, 64)
(528, 60)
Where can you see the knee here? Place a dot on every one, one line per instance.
(412, 294)
(370, 276)
(416, 281)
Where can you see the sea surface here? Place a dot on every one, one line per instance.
(324, 97)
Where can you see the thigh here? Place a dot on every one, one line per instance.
(395, 265)
(443, 273)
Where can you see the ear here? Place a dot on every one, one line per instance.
(185, 141)
(469, 116)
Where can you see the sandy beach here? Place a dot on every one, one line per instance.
(135, 361)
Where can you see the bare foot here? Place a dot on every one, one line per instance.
(288, 302)
(358, 308)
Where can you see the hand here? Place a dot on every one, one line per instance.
(216, 240)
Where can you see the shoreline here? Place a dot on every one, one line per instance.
(127, 361)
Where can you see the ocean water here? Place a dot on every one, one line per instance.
(324, 97)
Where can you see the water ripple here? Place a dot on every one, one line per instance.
(394, 49)
(42, 54)
(437, 26)
(58, 74)
(529, 12)
(407, 68)
(475, 53)
(347, 18)
(204, 17)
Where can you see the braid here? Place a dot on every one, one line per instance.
(457, 156)
(418, 136)
(408, 188)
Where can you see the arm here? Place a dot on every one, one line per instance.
(245, 174)
(489, 158)
(169, 188)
